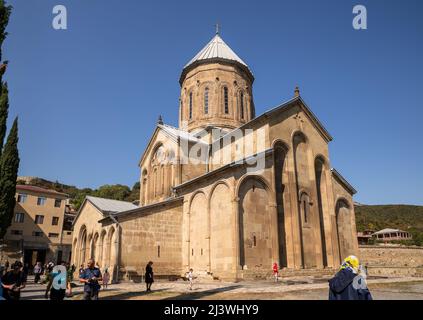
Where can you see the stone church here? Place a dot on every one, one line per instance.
(227, 193)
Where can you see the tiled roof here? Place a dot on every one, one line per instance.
(36, 189)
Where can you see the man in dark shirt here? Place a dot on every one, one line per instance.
(13, 282)
(91, 277)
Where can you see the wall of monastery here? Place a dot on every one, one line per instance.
(392, 260)
(154, 235)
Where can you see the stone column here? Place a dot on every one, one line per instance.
(236, 231)
(274, 232)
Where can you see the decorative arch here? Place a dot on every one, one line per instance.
(110, 248)
(83, 241)
(308, 222)
(254, 223)
(256, 177)
(94, 247)
(102, 248)
(279, 143)
(321, 168)
(221, 223)
(199, 240)
(344, 227)
(280, 151)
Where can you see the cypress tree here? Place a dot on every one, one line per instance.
(9, 175)
(9, 155)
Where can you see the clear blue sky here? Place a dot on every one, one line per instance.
(88, 98)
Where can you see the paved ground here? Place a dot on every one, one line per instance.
(292, 289)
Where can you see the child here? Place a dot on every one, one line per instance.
(106, 277)
(275, 271)
(190, 277)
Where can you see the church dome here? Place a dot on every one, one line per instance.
(216, 89)
(215, 51)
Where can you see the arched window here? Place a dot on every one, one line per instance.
(190, 105)
(226, 99)
(241, 104)
(206, 101)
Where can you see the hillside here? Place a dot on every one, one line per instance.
(405, 217)
(77, 195)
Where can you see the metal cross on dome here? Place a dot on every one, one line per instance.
(217, 28)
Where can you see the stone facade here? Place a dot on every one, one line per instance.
(392, 260)
(228, 193)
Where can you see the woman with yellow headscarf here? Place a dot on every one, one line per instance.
(348, 284)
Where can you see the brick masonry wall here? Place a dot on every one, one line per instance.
(142, 237)
(393, 261)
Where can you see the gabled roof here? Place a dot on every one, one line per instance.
(343, 181)
(286, 105)
(106, 206)
(111, 206)
(36, 189)
(173, 133)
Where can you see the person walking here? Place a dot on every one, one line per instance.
(149, 275)
(13, 282)
(59, 275)
(91, 276)
(38, 270)
(348, 284)
(190, 278)
(275, 271)
(106, 278)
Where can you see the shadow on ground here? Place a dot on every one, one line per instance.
(202, 294)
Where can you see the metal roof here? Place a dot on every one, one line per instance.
(388, 230)
(216, 48)
(111, 206)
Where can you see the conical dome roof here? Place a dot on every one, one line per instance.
(216, 49)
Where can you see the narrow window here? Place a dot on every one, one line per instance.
(201, 251)
(158, 251)
(57, 203)
(192, 252)
(206, 101)
(190, 105)
(41, 201)
(254, 241)
(305, 211)
(241, 105)
(226, 99)
(39, 219)
(22, 198)
(55, 221)
(19, 217)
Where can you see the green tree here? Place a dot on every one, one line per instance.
(9, 174)
(115, 192)
(9, 155)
